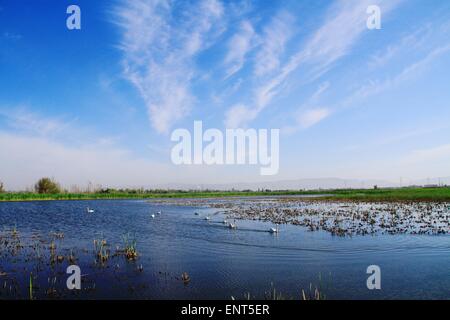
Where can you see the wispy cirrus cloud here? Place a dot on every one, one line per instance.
(407, 73)
(273, 41)
(238, 115)
(313, 116)
(408, 42)
(23, 120)
(239, 46)
(343, 26)
(160, 40)
(310, 113)
(323, 87)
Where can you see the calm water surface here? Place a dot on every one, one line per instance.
(220, 262)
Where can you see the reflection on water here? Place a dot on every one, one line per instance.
(220, 262)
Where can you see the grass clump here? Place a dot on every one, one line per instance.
(101, 250)
(130, 250)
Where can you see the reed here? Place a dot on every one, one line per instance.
(101, 251)
(130, 250)
(389, 194)
(31, 287)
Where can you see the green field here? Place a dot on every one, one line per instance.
(401, 194)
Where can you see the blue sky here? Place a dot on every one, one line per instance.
(99, 104)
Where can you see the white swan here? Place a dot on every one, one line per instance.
(90, 210)
(153, 216)
(159, 212)
(274, 230)
(232, 225)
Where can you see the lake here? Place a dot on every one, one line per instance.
(38, 240)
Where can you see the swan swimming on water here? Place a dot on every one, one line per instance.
(232, 225)
(274, 230)
(89, 210)
(153, 216)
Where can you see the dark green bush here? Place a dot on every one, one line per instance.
(47, 185)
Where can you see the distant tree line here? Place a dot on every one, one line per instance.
(50, 186)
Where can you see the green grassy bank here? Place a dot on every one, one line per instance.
(401, 194)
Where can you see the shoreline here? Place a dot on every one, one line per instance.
(438, 194)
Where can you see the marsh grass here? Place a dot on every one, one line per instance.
(101, 250)
(31, 287)
(273, 294)
(313, 292)
(388, 194)
(130, 249)
(15, 232)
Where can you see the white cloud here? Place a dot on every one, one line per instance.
(238, 47)
(421, 65)
(238, 115)
(21, 119)
(33, 146)
(25, 159)
(311, 117)
(407, 43)
(344, 24)
(274, 38)
(23, 122)
(375, 86)
(323, 87)
(159, 51)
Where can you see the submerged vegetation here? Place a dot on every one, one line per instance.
(33, 265)
(142, 264)
(378, 194)
(31, 275)
(339, 218)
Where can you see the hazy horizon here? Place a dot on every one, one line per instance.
(99, 104)
(293, 184)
